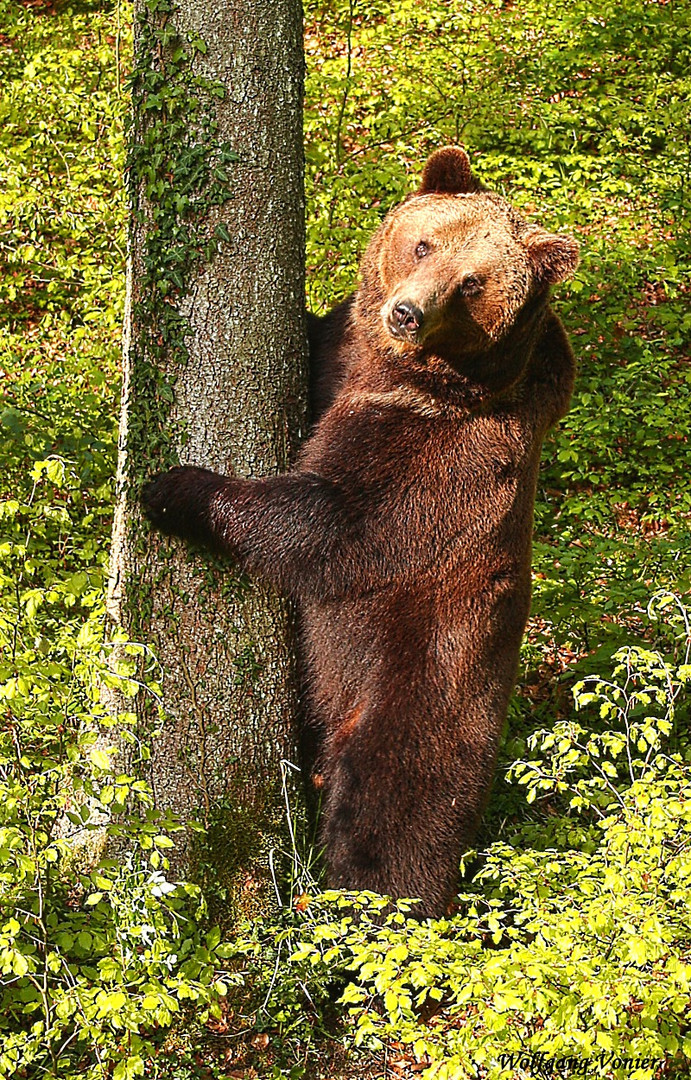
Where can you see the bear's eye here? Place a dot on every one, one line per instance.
(470, 286)
(421, 250)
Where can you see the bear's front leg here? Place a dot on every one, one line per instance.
(293, 530)
(180, 503)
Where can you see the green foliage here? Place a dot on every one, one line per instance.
(95, 952)
(97, 955)
(572, 947)
(592, 763)
(570, 938)
(61, 204)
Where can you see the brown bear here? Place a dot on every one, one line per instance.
(404, 530)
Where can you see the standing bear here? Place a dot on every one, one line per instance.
(404, 530)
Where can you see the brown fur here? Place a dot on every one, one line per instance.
(404, 531)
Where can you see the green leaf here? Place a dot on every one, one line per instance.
(100, 759)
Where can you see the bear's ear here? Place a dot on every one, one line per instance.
(554, 256)
(447, 172)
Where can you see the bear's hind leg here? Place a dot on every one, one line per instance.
(391, 823)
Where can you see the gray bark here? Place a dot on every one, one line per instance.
(239, 397)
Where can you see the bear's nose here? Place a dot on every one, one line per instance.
(407, 317)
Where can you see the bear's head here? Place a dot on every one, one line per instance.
(454, 271)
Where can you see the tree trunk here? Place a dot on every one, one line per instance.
(215, 375)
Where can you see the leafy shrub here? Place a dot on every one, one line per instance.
(96, 952)
(572, 949)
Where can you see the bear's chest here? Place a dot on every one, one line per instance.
(390, 457)
(421, 487)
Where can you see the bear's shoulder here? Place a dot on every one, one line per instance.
(549, 380)
(333, 349)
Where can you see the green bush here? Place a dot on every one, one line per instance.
(96, 952)
(571, 942)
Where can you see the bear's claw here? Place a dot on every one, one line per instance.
(163, 499)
